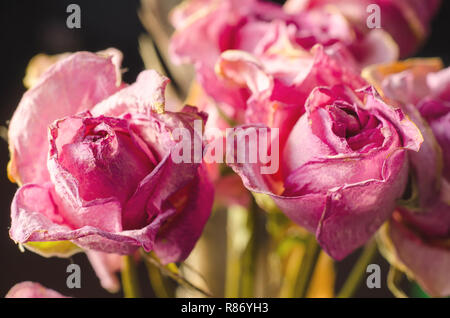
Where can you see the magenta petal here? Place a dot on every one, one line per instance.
(75, 84)
(345, 217)
(153, 191)
(427, 162)
(354, 213)
(88, 156)
(437, 115)
(180, 233)
(311, 205)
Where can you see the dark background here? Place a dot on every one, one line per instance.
(29, 27)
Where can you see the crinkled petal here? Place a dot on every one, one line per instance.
(178, 236)
(31, 222)
(144, 96)
(427, 263)
(72, 85)
(350, 210)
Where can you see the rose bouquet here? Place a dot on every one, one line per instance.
(291, 137)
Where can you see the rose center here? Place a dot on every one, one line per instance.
(357, 126)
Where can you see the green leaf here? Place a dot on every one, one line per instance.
(62, 249)
(418, 292)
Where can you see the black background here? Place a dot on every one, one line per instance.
(29, 27)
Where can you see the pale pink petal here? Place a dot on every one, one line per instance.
(144, 96)
(106, 267)
(72, 85)
(32, 290)
(428, 263)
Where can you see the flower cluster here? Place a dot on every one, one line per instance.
(362, 140)
(348, 151)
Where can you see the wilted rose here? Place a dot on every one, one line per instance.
(204, 29)
(406, 21)
(343, 166)
(94, 160)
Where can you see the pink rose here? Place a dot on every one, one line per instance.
(32, 290)
(104, 177)
(420, 231)
(278, 86)
(260, 63)
(407, 21)
(343, 166)
(278, 39)
(206, 28)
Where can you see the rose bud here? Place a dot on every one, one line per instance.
(342, 169)
(95, 160)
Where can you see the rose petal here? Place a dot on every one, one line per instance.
(106, 266)
(179, 235)
(70, 86)
(32, 290)
(144, 96)
(427, 263)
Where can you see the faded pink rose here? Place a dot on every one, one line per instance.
(342, 169)
(94, 160)
(32, 290)
(407, 21)
(206, 28)
(278, 39)
(258, 64)
(420, 231)
(278, 85)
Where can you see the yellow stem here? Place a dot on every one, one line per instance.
(130, 281)
(356, 275)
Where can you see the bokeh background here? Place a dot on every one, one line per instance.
(29, 27)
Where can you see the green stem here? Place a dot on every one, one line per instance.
(290, 278)
(130, 280)
(359, 269)
(240, 252)
(394, 279)
(306, 267)
(171, 271)
(157, 281)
